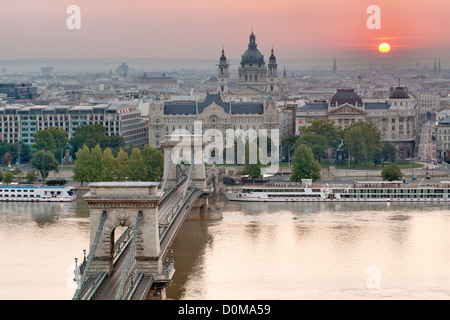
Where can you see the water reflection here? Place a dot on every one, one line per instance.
(315, 250)
(257, 251)
(39, 242)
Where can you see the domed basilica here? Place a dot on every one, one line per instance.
(255, 78)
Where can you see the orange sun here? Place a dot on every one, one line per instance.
(384, 47)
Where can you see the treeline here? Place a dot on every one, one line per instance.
(56, 140)
(362, 142)
(95, 164)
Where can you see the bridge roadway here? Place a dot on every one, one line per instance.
(110, 286)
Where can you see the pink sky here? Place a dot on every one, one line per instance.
(199, 28)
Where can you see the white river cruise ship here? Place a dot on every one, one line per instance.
(37, 193)
(359, 191)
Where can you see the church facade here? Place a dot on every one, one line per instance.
(252, 107)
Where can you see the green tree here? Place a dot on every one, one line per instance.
(391, 172)
(81, 168)
(377, 157)
(31, 176)
(93, 134)
(388, 150)
(89, 135)
(325, 128)
(95, 164)
(153, 162)
(303, 164)
(287, 145)
(8, 176)
(44, 162)
(43, 140)
(250, 167)
(316, 142)
(136, 167)
(123, 171)
(114, 142)
(51, 139)
(362, 139)
(109, 166)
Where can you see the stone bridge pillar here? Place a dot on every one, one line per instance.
(168, 146)
(180, 148)
(122, 202)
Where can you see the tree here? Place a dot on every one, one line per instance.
(31, 176)
(8, 176)
(303, 164)
(362, 139)
(136, 166)
(153, 162)
(93, 134)
(81, 165)
(43, 140)
(7, 158)
(391, 172)
(89, 135)
(377, 157)
(252, 169)
(388, 152)
(287, 145)
(123, 171)
(109, 167)
(44, 162)
(316, 142)
(51, 139)
(95, 164)
(325, 128)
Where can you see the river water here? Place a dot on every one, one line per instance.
(257, 251)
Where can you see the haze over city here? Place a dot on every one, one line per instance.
(198, 29)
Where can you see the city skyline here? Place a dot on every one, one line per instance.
(198, 29)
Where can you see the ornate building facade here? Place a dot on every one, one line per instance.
(397, 117)
(167, 116)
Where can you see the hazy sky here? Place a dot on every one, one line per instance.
(199, 28)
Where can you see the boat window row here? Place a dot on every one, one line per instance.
(397, 191)
(406, 195)
(279, 190)
(272, 190)
(16, 190)
(17, 195)
(279, 195)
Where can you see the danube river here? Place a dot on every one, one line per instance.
(257, 251)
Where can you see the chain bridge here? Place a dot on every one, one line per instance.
(132, 227)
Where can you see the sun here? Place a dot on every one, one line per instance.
(384, 47)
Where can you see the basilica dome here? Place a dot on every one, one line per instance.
(252, 55)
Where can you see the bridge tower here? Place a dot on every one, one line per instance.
(119, 204)
(180, 149)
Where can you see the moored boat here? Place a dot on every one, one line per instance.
(37, 193)
(359, 191)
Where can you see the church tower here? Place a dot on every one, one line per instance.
(272, 74)
(252, 70)
(223, 74)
